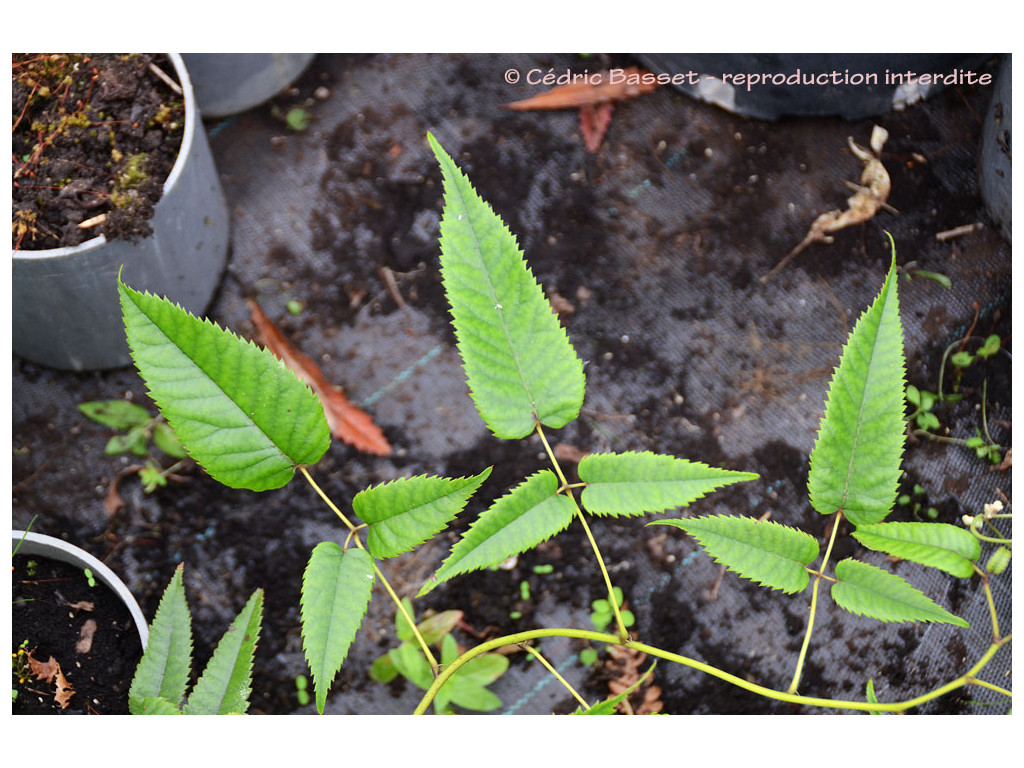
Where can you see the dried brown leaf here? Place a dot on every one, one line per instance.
(597, 89)
(869, 198)
(43, 670)
(594, 122)
(64, 690)
(347, 422)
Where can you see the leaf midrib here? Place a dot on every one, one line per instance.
(498, 306)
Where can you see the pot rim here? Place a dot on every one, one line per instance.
(58, 549)
(187, 137)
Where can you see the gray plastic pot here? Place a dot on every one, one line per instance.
(996, 146)
(66, 312)
(228, 83)
(39, 545)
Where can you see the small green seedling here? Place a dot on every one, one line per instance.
(90, 578)
(161, 679)
(301, 690)
(141, 433)
(604, 615)
(922, 401)
(917, 502)
(466, 689)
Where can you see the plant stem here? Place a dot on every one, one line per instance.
(623, 634)
(394, 597)
(970, 678)
(814, 604)
(547, 665)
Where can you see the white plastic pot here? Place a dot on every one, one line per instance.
(228, 83)
(66, 312)
(39, 545)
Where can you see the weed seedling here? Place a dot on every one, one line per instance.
(525, 378)
(141, 433)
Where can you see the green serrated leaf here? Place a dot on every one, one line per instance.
(238, 411)
(154, 705)
(118, 414)
(767, 552)
(404, 513)
(638, 483)
(166, 663)
(938, 545)
(855, 463)
(336, 589)
(225, 685)
(519, 363)
(867, 590)
(531, 513)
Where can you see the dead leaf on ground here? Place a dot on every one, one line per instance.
(624, 668)
(64, 690)
(594, 122)
(869, 198)
(347, 422)
(594, 98)
(597, 89)
(43, 670)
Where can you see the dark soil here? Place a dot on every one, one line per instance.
(55, 609)
(93, 135)
(657, 242)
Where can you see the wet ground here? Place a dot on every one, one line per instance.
(656, 244)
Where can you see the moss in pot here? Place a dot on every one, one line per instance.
(111, 167)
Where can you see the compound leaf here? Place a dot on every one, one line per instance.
(870, 591)
(336, 589)
(520, 367)
(637, 483)
(530, 513)
(225, 685)
(404, 513)
(237, 410)
(938, 545)
(855, 463)
(769, 553)
(166, 663)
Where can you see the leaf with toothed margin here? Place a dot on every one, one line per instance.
(520, 367)
(238, 411)
(404, 513)
(637, 483)
(530, 513)
(855, 463)
(867, 590)
(336, 589)
(769, 553)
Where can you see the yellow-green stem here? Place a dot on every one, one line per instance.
(970, 678)
(814, 604)
(623, 635)
(352, 529)
(547, 665)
